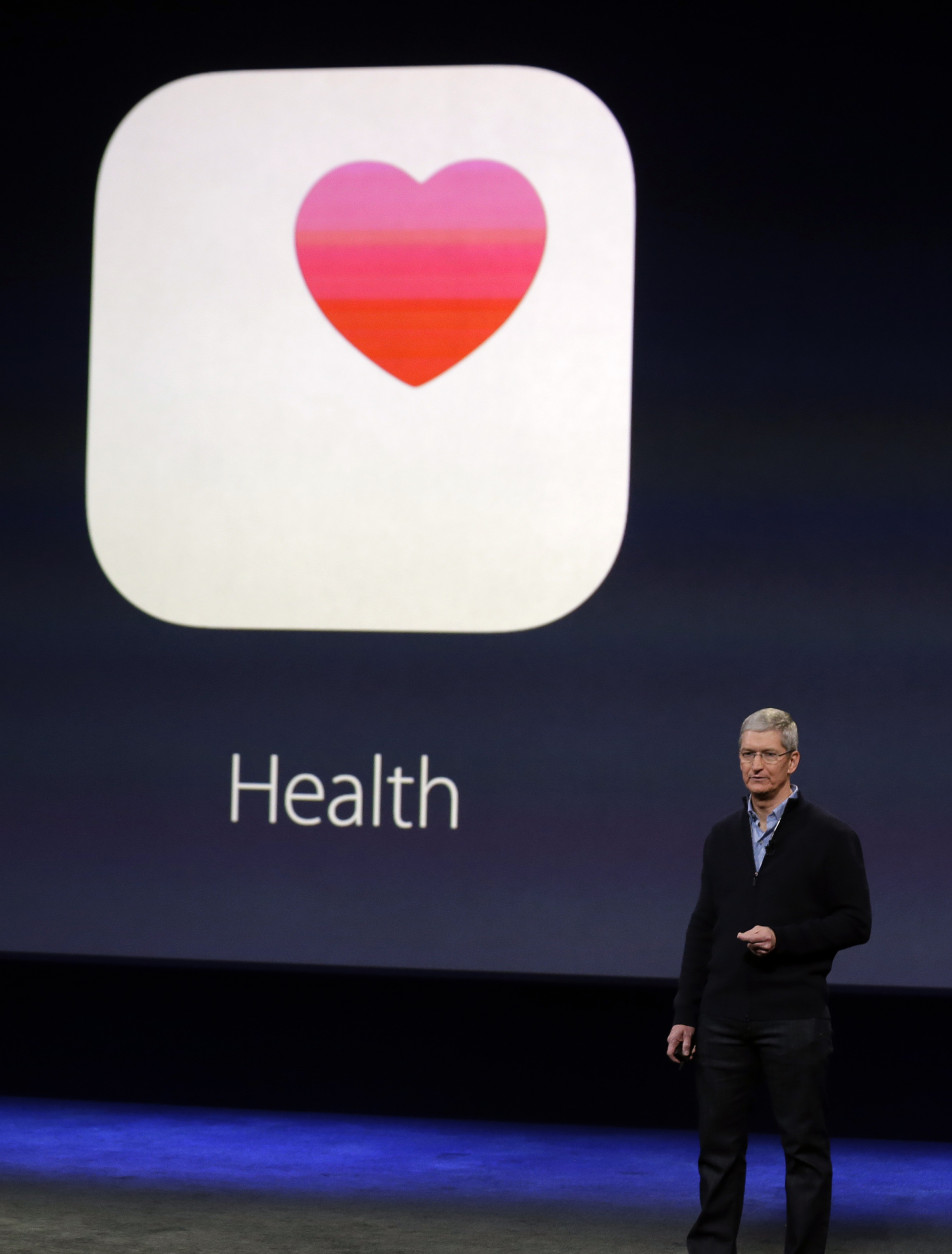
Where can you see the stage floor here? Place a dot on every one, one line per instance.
(78, 1176)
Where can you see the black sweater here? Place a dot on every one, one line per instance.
(811, 890)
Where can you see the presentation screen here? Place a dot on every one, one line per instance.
(391, 554)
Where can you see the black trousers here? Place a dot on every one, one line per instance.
(791, 1055)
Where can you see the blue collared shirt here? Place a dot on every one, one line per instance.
(761, 839)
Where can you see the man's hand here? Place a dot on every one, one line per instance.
(759, 940)
(681, 1035)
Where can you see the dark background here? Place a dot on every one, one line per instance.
(788, 544)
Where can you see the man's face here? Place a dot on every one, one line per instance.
(766, 776)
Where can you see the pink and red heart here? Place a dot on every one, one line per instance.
(418, 275)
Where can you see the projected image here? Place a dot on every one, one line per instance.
(394, 596)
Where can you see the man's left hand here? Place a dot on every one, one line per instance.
(759, 940)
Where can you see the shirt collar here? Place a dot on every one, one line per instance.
(774, 816)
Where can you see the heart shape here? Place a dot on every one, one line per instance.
(418, 275)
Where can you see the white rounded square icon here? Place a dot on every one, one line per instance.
(361, 349)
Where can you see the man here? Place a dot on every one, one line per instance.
(783, 889)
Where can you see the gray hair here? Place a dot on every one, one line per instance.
(771, 719)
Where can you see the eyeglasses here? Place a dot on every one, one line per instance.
(767, 756)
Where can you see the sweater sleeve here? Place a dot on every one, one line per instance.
(847, 919)
(697, 955)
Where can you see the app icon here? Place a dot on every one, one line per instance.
(361, 349)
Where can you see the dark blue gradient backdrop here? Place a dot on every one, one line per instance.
(789, 540)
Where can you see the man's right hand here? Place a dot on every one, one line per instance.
(683, 1036)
